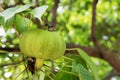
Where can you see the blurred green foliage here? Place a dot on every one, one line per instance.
(73, 24)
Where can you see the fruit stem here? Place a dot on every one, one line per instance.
(38, 63)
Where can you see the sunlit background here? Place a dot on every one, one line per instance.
(73, 24)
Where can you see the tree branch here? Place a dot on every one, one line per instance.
(106, 54)
(54, 13)
(91, 51)
(93, 25)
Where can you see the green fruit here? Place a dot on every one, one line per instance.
(42, 44)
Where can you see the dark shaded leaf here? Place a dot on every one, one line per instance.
(83, 73)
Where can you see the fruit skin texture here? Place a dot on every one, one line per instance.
(42, 44)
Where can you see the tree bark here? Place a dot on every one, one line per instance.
(112, 59)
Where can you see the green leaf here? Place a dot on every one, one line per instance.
(89, 62)
(10, 12)
(1, 20)
(9, 23)
(78, 68)
(21, 23)
(23, 8)
(63, 75)
(39, 11)
(66, 73)
(83, 73)
(77, 59)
